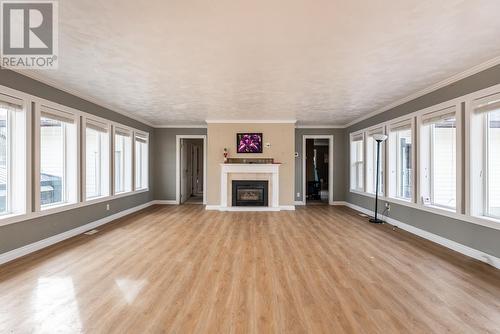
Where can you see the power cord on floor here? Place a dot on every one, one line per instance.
(385, 216)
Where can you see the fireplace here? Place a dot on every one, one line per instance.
(250, 193)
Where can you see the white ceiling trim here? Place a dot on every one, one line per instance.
(269, 121)
(330, 126)
(182, 126)
(457, 77)
(474, 70)
(41, 79)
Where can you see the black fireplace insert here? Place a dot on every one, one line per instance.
(250, 193)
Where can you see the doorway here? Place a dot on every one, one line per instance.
(191, 169)
(317, 169)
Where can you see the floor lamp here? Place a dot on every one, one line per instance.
(379, 138)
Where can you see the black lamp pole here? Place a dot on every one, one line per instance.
(376, 220)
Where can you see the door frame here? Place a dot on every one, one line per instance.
(330, 165)
(178, 165)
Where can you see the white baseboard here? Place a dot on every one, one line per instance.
(299, 203)
(165, 202)
(453, 245)
(25, 250)
(287, 207)
(339, 203)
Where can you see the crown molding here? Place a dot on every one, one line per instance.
(254, 121)
(87, 98)
(457, 77)
(462, 75)
(181, 126)
(326, 126)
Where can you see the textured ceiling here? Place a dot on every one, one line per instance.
(318, 61)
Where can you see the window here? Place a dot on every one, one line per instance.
(357, 162)
(96, 159)
(438, 157)
(371, 163)
(58, 158)
(141, 161)
(123, 161)
(485, 157)
(401, 161)
(12, 156)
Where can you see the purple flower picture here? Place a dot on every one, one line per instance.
(249, 142)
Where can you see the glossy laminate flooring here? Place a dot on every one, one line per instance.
(181, 269)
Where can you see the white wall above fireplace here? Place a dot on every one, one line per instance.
(248, 172)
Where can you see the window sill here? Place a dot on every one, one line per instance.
(487, 219)
(61, 207)
(55, 206)
(438, 207)
(12, 218)
(483, 221)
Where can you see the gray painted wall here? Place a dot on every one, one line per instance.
(164, 153)
(482, 238)
(339, 153)
(19, 234)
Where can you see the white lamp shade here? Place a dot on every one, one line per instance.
(379, 137)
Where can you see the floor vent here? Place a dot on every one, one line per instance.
(91, 232)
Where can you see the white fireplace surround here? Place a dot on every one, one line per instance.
(270, 169)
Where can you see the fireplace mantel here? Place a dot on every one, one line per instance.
(271, 169)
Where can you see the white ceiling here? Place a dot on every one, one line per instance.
(173, 62)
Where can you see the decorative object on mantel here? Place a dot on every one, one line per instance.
(249, 161)
(226, 153)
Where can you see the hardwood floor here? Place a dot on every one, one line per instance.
(181, 269)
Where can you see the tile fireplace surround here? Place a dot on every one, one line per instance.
(239, 171)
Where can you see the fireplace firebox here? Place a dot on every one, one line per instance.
(250, 193)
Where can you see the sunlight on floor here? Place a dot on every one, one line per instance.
(130, 288)
(55, 306)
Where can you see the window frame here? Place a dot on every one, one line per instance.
(397, 123)
(436, 111)
(368, 133)
(86, 119)
(416, 202)
(66, 112)
(31, 137)
(353, 165)
(24, 101)
(130, 131)
(477, 196)
(144, 136)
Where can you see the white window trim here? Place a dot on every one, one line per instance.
(85, 120)
(63, 111)
(26, 101)
(33, 169)
(146, 135)
(379, 128)
(388, 156)
(457, 105)
(469, 113)
(465, 187)
(130, 131)
(355, 134)
(416, 201)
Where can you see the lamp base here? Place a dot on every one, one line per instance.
(376, 221)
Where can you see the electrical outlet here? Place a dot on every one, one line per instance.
(298, 195)
(388, 206)
(107, 207)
